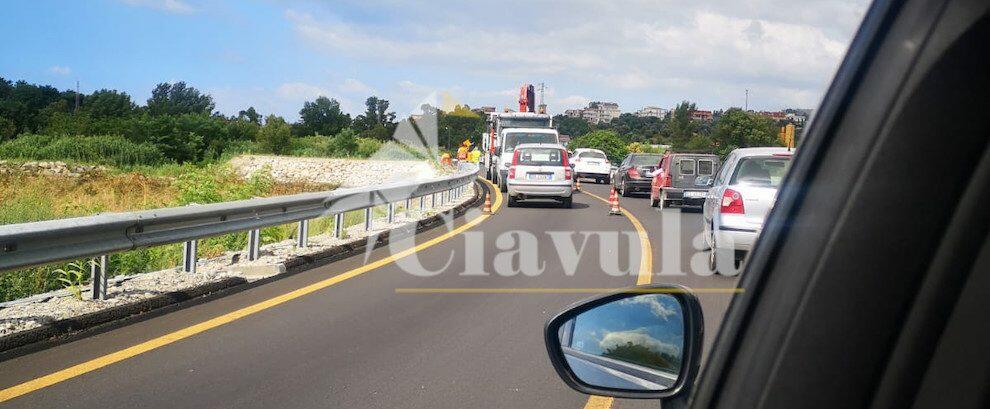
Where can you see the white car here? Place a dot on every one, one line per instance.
(540, 171)
(591, 164)
(743, 193)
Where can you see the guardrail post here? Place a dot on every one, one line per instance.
(408, 205)
(189, 256)
(433, 200)
(338, 225)
(302, 234)
(367, 219)
(98, 271)
(391, 212)
(422, 201)
(254, 244)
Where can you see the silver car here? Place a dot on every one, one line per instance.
(540, 171)
(742, 194)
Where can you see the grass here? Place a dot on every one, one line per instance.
(27, 198)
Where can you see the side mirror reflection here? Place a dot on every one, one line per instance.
(643, 343)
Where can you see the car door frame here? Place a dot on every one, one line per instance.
(833, 278)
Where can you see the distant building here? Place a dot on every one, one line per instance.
(596, 112)
(487, 109)
(796, 118)
(701, 115)
(774, 115)
(655, 112)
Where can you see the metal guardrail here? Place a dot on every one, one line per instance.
(38, 243)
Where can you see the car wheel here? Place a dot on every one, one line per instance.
(567, 203)
(624, 190)
(502, 186)
(513, 202)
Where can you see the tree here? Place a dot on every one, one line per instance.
(275, 136)
(460, 124)
(107, 103)
(323, 117)
(606, 141)
(680, 127)
(250, 115)
(178, 99)
(376, 113)
(740, 129)
(344, 143)
(574, 127)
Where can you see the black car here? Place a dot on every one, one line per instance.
(635, 173)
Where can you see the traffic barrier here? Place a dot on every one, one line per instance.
(487, 209)
(613, 202)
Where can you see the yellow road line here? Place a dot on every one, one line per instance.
(598, 402)
(534, 290)
(646, 260)
(645, 277)
(100, 362)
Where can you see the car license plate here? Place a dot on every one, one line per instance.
(591, 162)
(694, 195)
(538, 176)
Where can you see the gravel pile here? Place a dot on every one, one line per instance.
(342, 172)
(35, 311)
(49, 168)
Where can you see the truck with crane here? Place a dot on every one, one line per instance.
(507, 130)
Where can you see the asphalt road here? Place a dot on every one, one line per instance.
(361, 343)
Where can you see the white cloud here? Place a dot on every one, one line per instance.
(640, 50)
(170, 6)
(301, 90)
(653, 301)
(60, 70)
(353, 86)
(638, 336)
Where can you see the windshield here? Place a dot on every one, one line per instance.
(592, 155)
(644, 160)
(541, 157)
(514, 139)
(765, 171)
(350, 164)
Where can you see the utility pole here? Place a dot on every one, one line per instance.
(747, 101)
(77, 98)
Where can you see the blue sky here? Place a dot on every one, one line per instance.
(275, 55)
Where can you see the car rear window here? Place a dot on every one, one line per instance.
(686, 166)
(765, 171)
(706, 167)
(592, 155)
(644, 160)
(541, 157)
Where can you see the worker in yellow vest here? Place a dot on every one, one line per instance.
(462, 152)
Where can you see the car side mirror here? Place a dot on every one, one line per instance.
(704, 181)
(643, 342)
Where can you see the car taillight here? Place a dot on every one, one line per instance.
(732, 202)
(633, 173)
(567, 166)
(515, 161)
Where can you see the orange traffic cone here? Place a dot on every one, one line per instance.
(577, 185)
(613, 202)
(487, 209)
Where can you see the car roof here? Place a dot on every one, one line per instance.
(541, 145)
(743, 152)
(528, 130)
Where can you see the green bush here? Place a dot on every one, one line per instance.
(312, 146)
(367, 147)
(344, 143)
(218, 183)
(103, 150)
(276, 136)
